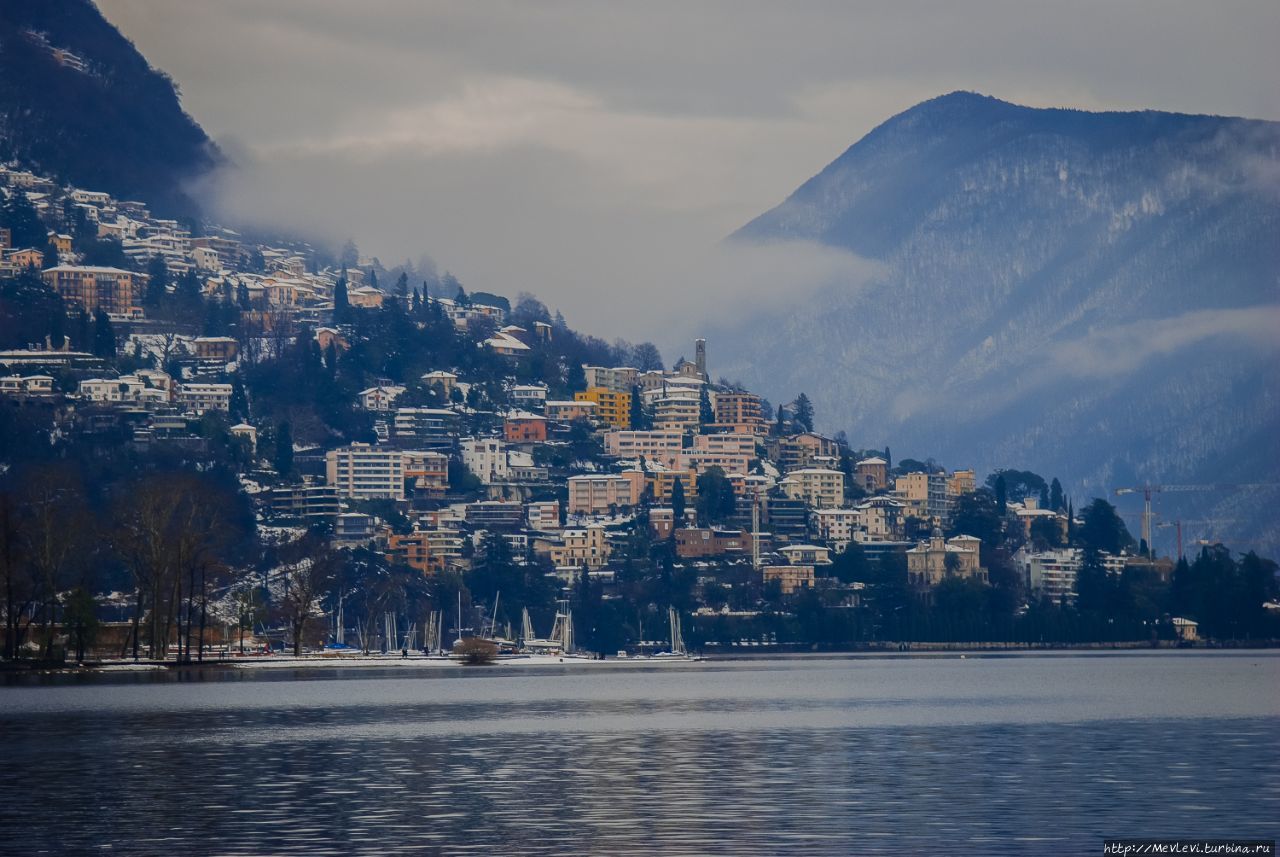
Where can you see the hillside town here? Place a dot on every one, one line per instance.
(389, 447)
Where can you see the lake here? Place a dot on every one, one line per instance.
(1015, 754)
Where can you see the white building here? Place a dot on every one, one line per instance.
(364, 472)
(200, 398)
(818, 487)
(486, 457)
(381, 397)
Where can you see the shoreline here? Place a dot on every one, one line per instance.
(274, 663)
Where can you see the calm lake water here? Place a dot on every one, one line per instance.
(1033, 754)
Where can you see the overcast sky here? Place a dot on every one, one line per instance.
(596, 153)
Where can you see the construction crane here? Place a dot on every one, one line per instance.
(1147, 490)
(1179, 522)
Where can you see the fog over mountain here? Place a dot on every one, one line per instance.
(1095, 295)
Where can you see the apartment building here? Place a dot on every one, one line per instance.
(201, 398)
(662, 447)
(818, 487)
(925, 496)
(619, 379)
(741, 413)
(791, 578)
(587, 546)
(612, 407)
(525, 428)
(112, 290)
(872, 474)
(486, 457)
(599, 494)
(364, 472)
(566, 412)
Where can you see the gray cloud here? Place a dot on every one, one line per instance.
(596, 153)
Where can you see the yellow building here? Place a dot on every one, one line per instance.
(578, 547)
(612, 407)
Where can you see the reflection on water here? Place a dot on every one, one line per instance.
(1020, 755)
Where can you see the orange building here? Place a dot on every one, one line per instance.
(525, 428)
(111, 289)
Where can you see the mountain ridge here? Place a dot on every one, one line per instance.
(1044, 273)
(78, 101)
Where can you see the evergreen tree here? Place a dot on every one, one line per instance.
(104, 336)
(804, 412)
(157, 283)
(19, 216)
(283, 461)
(706, 415)
(1055, 496)
(1102, 530)
(677, 504)
(888, 459)
(239, 406)
(341, 304)
(402, 287)
(639, 418)
(1002, 497)
(1044, 497)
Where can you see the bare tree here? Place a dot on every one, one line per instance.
(306, 581)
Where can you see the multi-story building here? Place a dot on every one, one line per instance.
(661, 483)
(962, 482)
(364, 472)
(215, 349)
(380, 398)
(818, 487)
(112, 290)
(425, 428)
(701, 542)
(799, 451)
(27, 385)
(525, 428)
(661, 447)
(740, 412)
(1053, 573)
(925, 496)
(931, 562)
(836, 527)
(601, 494)
(806, 554)
(428, 551)
(587, 546)
(612, 407)
(486, 457)
(531, 397)
(566, 411)
(619, 379)
(880, 519)
(543, 515)
(201, 398)
(872, 474)
(678, 413)
(732, 453)
(497, 515)
(790, 577)
(427, 473)
(305, 501)
(445, 380)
